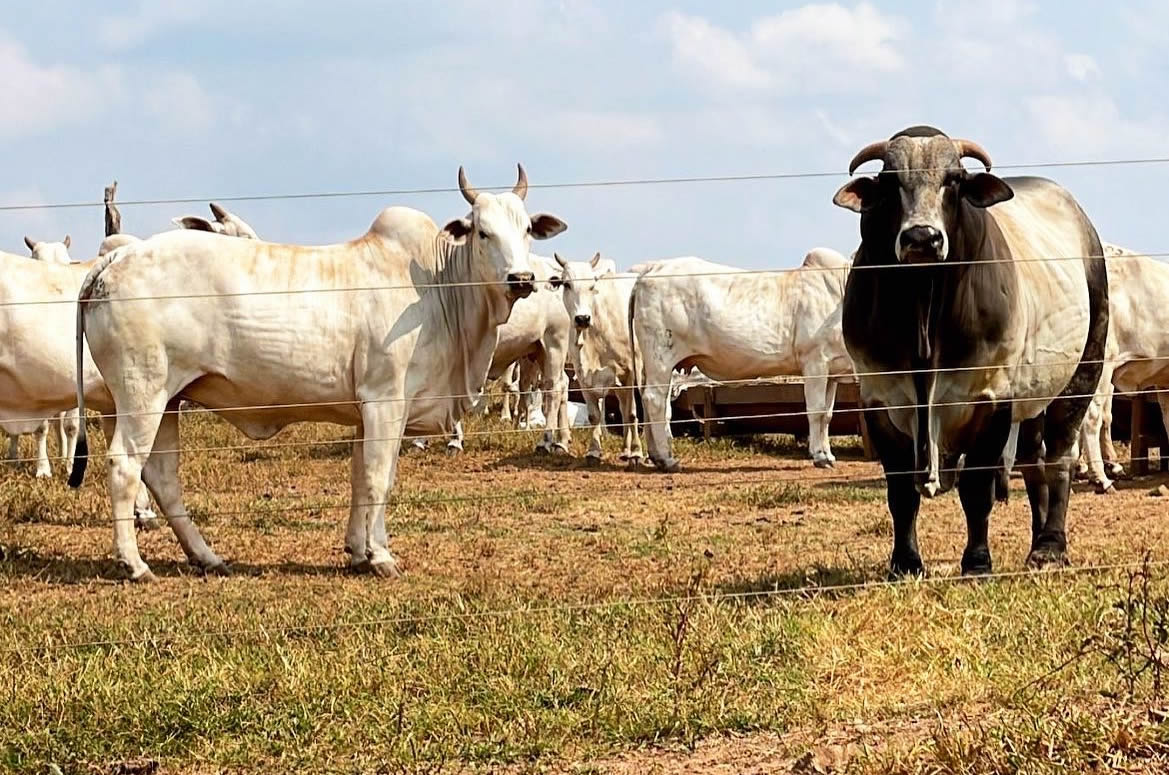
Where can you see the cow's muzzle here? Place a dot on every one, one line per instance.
(920, 244)
(521, 284)
(583, 321)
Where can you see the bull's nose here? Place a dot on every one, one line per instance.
(921, 239)
(521, 284)
(583, 321)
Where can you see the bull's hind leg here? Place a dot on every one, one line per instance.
(144, 516)
(129, 448)
(655, 400)
(628, 403)
(1047, 472)
(596, 407)
(976, 490)
(161, 475)
(816, 404)
(895, 450)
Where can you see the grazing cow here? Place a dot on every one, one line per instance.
(67, 421)
(535, 340)
(392, 332)
(597, 300)
(733, 324)
(974, 302)
(1136, 358)
(38, 374)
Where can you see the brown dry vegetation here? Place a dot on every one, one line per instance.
(534, 630)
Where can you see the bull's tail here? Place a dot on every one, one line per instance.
(636, 386)
(81, 455)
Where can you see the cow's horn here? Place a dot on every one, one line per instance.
(971, 149)
(465, 189)
(868, 153)
(521, 185)
(218, 211)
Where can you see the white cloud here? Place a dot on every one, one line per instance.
(152, 16)
(712, 53)
(966, 13)
(1092, 126)
(814, 47)
(43, 97)
(1081, 66)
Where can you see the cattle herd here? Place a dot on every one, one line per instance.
(983, 318)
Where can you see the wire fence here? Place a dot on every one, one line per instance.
(610, 183)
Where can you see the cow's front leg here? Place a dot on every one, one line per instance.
(454, 444)
(628, 404)
(383, 425)
(597, 421)
(44, 470)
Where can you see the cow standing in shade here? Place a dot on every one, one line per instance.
(392, 332)
(596, 298)
(734, 324)
(974, 302)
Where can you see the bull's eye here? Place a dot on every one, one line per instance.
(529, 228)
(567, 286)
(483, 234)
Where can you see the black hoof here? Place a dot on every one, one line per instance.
(822, 463)
(905, 567)
(592, 461)
(1047, 557)
(976, 563)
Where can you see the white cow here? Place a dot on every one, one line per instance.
(535, 340)
(734, 324)
(67, 421)
(603, 357)
(1136, 355)
(392, 332)
(38, 373)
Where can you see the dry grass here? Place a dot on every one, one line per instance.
(516, 639)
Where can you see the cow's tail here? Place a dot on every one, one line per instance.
(81, 455)
(636, 386)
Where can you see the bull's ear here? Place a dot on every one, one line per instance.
(545, 226)
(194, 223)
(458, 229)
(984, 189)
(596, 259)
(31, 245)
(858, 194)
(559, 260)
(67, 242)
(555, 281)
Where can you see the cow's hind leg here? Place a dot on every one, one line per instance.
(454, 444)
(655, 400)
(161, 475)
(976, 489)
(816, 403)
(896, 453)
(70, 428)
(628, 403)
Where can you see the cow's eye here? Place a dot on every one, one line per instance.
(483, 234)
(529, 228)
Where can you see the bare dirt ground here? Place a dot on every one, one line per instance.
(556, 617)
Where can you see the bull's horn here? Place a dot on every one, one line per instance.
(218, 211)
(465, 189)
(521, 185)
(972, 150)
(868, 153)
(30, 243)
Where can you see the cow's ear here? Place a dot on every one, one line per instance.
(31, 245)
(193, 222)
(555, 281)
(458, 229)
(858, 194)
(545, 226)
(559, 260)
(984, 189)
(67, 242)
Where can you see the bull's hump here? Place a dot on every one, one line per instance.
(403, 222)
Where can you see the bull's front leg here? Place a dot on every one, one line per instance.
(815, 402)
(454, 444)
(895, 450)
(383, 424)
(976, 489)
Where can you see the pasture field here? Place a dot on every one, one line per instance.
(558, 618)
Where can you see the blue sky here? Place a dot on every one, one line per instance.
(221, 97)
